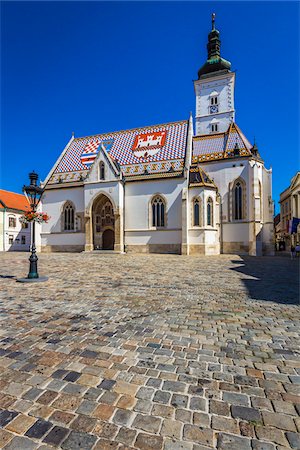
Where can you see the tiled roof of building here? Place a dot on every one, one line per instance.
(11, 200)
(198, 177)
(140, 151)
(221, 145)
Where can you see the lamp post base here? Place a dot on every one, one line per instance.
(32, 280)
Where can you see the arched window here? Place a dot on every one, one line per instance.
(158, 212)
(209, 212)
(101, 171)
(69, 217)
(238, 201)
(197, 212)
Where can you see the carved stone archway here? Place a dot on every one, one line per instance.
(103, 224)
(115, 226)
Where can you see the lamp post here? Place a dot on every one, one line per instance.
(33, 194)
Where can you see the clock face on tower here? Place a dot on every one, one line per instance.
(214, 109)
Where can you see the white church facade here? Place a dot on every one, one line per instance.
(165, 188)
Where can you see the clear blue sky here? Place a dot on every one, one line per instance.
(93, 67)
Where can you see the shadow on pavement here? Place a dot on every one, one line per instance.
(275, 278)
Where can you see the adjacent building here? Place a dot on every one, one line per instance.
(14, 236)
(165, 188)
(289, 229)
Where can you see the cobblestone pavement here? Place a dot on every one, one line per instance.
(150, 352)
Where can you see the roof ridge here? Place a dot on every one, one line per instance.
(12, 192)
(131, 129)
(228, 133)
(242, 136)
(209, 135)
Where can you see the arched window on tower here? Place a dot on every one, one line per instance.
(197, 212)
(69, 217)
(158, 209)
(101, 171)
(209, 212)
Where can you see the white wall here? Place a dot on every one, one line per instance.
(15, 232)
(52, 203)
(138, 196)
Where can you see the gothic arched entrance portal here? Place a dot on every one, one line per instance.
(103, 224)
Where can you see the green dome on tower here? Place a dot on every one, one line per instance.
(214, 62)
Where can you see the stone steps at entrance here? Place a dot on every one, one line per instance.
(103, 252)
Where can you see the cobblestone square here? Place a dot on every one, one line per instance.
(150, 352)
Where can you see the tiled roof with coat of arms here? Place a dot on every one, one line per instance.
(158, 149)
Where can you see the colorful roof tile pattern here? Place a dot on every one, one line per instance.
(221, 145)
(11, 200)
(138, 151)
(198, 177)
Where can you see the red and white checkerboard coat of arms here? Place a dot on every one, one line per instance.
(148, 144)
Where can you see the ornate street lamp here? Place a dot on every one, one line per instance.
(33, 194)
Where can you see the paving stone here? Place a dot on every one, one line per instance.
(236, 399)
(32, 394)
(247, 429)
(162, 397)
(56, 435)
(86, 407)
(23, 443)
(21, 424)
(225, 424)
(147, 423)
(107, 384)
(66, 402)
(83, 423)
(38, 429)
(143, 406)
(294, 439)
(197, 403)
(122, 417)
(217, 407)
(61, 417)
(176, 445)
(163, 410)
(126, 436)
(5, 437)
(7, 416)
(148, 442)
(79, 441)
(280, 421)
(271, 434)
(259, 445)
(198, 434)
(179, 400)
(174, 386)
(105, 444)
(250, 414)
(171, 428)
(47, 397)
(183, 415)
(231, 442)
(72, 376)
(201, 419)
(103, 411)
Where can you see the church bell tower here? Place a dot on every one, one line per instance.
(214, 89)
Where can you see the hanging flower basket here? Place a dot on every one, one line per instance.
(30, 216)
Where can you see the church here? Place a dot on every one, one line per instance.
(196, 186)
